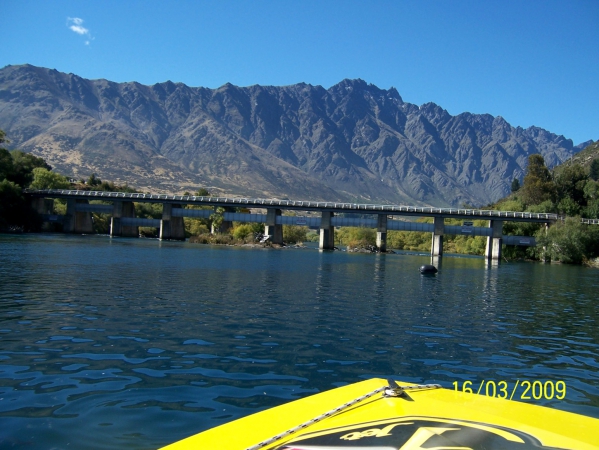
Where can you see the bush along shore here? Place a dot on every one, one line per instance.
(257, 240)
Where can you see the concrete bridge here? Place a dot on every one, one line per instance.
(78, 218)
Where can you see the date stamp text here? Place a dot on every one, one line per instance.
(518, 390)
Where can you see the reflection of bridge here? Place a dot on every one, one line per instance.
(124, 223)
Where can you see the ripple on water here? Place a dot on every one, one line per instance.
(144, 342)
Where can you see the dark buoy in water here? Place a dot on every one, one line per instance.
(428, 269)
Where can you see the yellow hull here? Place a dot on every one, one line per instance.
(419, 419)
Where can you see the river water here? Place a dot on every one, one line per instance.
(135, 343)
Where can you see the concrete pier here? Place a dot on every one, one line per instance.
(439, 231)
(121, 210)
(43, 205)
(494, 242)
(327, 232)
(381, 233)
(271, 228)
(78, 222)
(171, 227)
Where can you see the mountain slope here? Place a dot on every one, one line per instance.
(352, 141)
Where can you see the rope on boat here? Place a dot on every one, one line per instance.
(393, 390)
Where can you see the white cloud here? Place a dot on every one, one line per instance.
(79, 29)
(75, 24)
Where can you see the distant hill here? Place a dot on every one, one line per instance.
(351, 142)
(585, 157)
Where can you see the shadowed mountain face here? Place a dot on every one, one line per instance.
(352, 142)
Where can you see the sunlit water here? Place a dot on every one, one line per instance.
(133, 343)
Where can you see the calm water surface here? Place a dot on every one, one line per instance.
(132, 343)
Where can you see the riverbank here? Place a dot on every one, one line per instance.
(228, 239)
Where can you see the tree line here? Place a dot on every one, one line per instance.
(17, 171)
(570, 190)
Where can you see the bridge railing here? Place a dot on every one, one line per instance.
(305, 205)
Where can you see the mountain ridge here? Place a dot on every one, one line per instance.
(351, 142)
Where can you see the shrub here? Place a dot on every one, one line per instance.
(246, 230)
(570, 242)
(44, 179)
(294, 233)
(355, 237)
(212, 239)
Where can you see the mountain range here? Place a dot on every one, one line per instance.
(351, 142)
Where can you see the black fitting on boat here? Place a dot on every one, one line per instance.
(394, 389)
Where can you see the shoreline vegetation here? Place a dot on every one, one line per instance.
(364, 247)
(571, 189)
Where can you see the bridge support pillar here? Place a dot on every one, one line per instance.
(43, 205)
(381, 233)
(438, 232)
(327, 232)
(77, 222)
(171, 227)
(225, 225)
(121, 210)
(494, 242)
(271, 228)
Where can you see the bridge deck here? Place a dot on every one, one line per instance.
(337, 207)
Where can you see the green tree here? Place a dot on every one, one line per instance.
(544, 207)
(570, 184)
(217, 218)
(592, 209)
(23, 165)
(591, 190)
(93, 180)
(246, 231)
(14, 210)
(148, 210)
(515, 185)
(537, 186)
(195, 227)
(537, 168)
(356, 237)
(591, 194)
(6, 164)
(594, 170)
(11, 200)
(568, 207)
(44, 179)
(294, 234)
(101, 223)
(396, 239)
(570, 242)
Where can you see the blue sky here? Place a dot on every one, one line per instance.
(533, 62)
